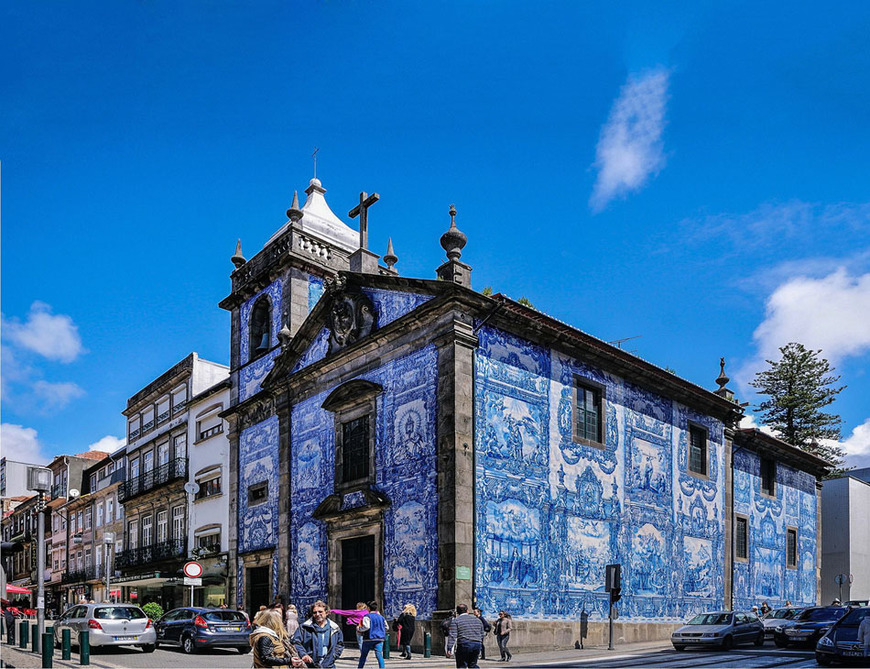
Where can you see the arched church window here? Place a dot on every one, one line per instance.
(261, 327)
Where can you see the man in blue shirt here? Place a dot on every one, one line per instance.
(374, 631)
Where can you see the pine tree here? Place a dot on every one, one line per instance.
(799, 386)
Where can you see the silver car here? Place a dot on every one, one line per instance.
(108, 625)
(777, 617)
(719, 628)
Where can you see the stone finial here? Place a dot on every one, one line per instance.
(238, 259)
(722, 379)
(294, 213)
(284, 336)
(390, 257)
(453, 241)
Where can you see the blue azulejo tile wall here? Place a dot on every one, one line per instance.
(764, 576)
(252, 374)
(405, 472)
(258, 463)
(551, 513)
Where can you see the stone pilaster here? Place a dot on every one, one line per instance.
(455, 462)
(283, 410)
(728, 544)
(233, 521)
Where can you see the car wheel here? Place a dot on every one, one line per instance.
(149, 647)
(679, 646)
(759, 641)
(243, 650)
(187, 645)
(780, 644)
(727, 643)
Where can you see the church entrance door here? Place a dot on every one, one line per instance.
(258, 589)
(357, 577)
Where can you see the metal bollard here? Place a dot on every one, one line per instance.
(386, 646)
(84, 648)
(34, 638)
(66, 637)
(47, 650)
(23, 632)
(10, 634)
(427, 645)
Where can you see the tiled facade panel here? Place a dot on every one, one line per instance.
(765, 576)
(405, 472)
(258, 463)
(315, 290)
(552, 513)
(251, 375)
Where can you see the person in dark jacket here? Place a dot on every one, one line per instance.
(272, 647)
(486, 628)
(406, 625)
(319, 640)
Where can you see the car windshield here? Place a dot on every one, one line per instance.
(118, 613)
(711, 619)
(855, 616)
(783, 613)
(815, 615)
(225, 616)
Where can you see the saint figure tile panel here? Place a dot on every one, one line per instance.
(258, 464)
(393, 304)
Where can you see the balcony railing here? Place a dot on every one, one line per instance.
(138, 485)
(133, 557)
(79, 576)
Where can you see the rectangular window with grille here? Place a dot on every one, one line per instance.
(697, 450)
(588, 414)
(791, 548)
(355, 449)
(741, 538)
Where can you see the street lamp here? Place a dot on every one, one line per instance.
(108, 539)
(39, 481)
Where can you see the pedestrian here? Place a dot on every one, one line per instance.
(360, 606)
(318, 639)
(445, 628)
(291, 619)
(836, 602)
(374, 631)
(272, 647)
(765, 608)
(279, 606)
(223, 605)
(864, 635)
(406, 625)
(465, 638)
(486, 628)
(503, 627)
(788, 602)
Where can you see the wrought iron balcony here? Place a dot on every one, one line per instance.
(147, 481)
(79, 576)
(166, 550)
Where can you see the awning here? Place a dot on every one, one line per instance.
(16, 590)
(154, 579)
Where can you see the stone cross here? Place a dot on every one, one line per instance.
(314, 155)
(362, 210)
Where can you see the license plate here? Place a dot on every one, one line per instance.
(800, 637)
(229, 629)
(126, 638)
(853, 653)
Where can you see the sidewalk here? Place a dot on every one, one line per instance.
(24, 659)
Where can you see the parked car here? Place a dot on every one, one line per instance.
(108, 624)
(719, 628)
(857, 602)
(193, 628)
(777, 617)
(840, 644)
(808, 626)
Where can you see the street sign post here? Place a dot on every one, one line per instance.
(192, 576)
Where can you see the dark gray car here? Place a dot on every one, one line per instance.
(719, 628)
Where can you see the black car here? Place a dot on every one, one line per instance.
(840, 644)
(808, 626)
(193, 628)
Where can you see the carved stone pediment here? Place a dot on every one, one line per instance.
(351, 315)
(359, 502)
(257, 412)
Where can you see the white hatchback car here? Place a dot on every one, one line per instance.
(108, 625)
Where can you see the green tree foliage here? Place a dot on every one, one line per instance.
(526, 302)
(487, 291)
(799, 386)
(153, 610)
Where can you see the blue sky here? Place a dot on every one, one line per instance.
(692, 174)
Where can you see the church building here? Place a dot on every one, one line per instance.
(415, 441)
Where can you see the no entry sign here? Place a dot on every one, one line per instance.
(193, 569)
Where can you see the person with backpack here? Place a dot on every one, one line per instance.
(373, 628)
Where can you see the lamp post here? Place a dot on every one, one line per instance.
(108, 539)
(39, 481)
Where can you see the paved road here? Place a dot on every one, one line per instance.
(694, 658)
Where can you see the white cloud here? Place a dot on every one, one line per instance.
(54, 396)
(828, 313)
(857, 446)
(107, 444)
(52, 336)
(21, 443)
(748, 422)
(630, 147)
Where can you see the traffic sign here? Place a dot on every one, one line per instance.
(192, 581)
(193, 569)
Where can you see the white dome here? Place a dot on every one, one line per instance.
(320, 221)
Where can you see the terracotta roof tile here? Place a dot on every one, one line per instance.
(92, 455)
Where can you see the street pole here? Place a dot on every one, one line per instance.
(40, 565)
